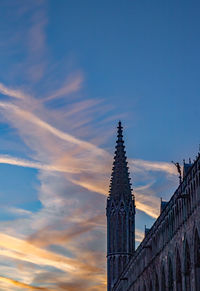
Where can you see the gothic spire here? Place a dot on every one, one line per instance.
(120, 185)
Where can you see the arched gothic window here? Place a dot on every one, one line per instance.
(111, 245)
(130, 234)
(124, 262)
(120, 265)
(156, 283)
(179, 210)
(120, 231)
(199, 178)
(111, 269)
(197, 260)
(187, 264)
(189, 201)
(114, 269)
(163, 280)
(170, 275)
(150, 286)
(124, 231)
(178, 273)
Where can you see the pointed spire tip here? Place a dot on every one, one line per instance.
(120, 125)
(120, 181)
(120, 130)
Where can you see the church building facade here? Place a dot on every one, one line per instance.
(169, 256)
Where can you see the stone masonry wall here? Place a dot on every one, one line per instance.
(169, 256)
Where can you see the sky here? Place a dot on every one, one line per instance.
(69, 71)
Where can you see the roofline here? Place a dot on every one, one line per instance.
(158, 220)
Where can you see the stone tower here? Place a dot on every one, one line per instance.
(120, 213)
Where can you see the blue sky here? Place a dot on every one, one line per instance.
(69, 71)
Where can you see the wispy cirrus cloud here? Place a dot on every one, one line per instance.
(150, 206)
(59, 244)
(32, 118)
(55, 151)
(153, 166)
(36, 61)
(69, 164)
(72, 171)
(5, 159)
(12, 92)
(14, 283)
(49, 236)
(139, 235)
(72, 84)
(23, 250)
(58, 148)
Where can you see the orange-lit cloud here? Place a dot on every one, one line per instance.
(139, 235)
(23, 250)
(148, 205)
(30, 117)
(49, 236)
(6, 159)
(72, 171)
(15, 283)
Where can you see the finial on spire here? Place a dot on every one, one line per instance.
(120, 126)
(120, 131)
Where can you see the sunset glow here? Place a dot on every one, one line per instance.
(69, 72)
